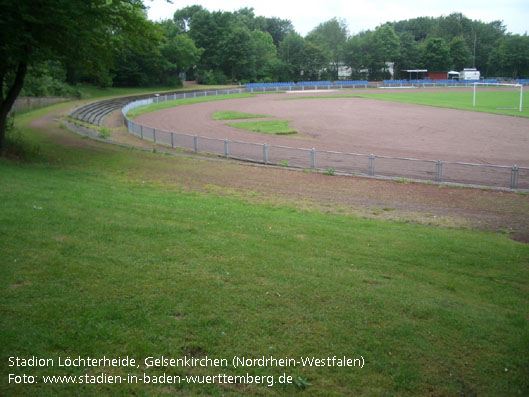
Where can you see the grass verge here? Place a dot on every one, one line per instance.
(275, 127)
(180, 102)
(234, 115)
(89, 92)
(97, 262)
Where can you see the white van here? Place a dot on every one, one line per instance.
(469, 74)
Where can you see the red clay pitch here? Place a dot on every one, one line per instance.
(365, 126)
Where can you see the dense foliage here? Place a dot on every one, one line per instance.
(240, 47)
(84, 36)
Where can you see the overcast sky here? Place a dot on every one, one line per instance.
(360, 14)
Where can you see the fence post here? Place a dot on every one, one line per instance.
(265, 153)
(439, 167)
(172, 140)
(141, 131)
(226, 148)
(313, 158)
(514, 177)
(154, 135)
(372, 165)
(195, 142)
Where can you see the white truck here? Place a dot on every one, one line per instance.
(469, 74)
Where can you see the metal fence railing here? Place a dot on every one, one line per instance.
(500, 176)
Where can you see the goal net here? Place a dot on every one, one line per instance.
(503, 97)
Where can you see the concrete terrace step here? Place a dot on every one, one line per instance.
(96, 112)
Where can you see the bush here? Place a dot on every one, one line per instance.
(48, 79)
(210, 77)
(16, 146)
(220, 78)
(203, 76)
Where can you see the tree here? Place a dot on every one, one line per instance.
(292, 55)
(372, 60)
(47, 79)
(354, 57)
(435, 55)
(460, 54)
(487, 37)
(420, 28)
(386, 45)
(315, 60)
(182, 17)
(409, 54)
(455, 25)
(61, 30)
(177, 49)
(265, 52)
(278, 29)
(512, 56)
(238, 58)
(482, 39)
(331, 36)
(246, 17)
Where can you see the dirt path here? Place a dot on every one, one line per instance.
(491, 210)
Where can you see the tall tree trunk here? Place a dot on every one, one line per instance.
(7, 103)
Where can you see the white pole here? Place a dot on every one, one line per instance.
(521, 96)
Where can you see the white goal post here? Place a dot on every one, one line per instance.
(499, 85)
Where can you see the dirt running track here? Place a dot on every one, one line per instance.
(359, 125)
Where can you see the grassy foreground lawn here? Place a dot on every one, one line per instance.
(98, 263)
(486, 101)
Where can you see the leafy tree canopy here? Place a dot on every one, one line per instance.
(75, 30)
(435, 55)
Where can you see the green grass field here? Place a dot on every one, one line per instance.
(97, 260)
(495, 102)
